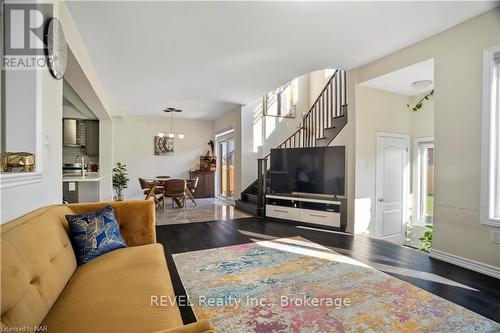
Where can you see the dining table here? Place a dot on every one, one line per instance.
(160, 181)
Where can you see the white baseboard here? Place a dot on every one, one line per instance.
(466, 263)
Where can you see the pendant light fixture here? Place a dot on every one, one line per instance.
(172, 134)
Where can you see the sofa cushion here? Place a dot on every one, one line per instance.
(94, 233)
(37, 263)
(112, 293)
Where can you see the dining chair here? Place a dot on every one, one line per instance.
(151, 190)
(162, 177)
(176, 190)
(191, 185)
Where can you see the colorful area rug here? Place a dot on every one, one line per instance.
(294, 285)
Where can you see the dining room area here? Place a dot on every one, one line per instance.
(188, 167)
(189, 200)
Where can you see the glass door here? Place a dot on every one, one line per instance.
(423, 192)
(226, 173)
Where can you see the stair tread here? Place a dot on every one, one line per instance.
(249, 208)
(246, 203)
(251, 198)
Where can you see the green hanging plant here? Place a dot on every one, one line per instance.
(426, 239)
(419, 104)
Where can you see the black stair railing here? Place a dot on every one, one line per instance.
(328, 113)
(261, 182)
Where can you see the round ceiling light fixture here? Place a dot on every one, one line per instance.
(422, 84)
(171, 109)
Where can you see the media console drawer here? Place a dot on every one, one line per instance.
(320, 217)
(282, 212)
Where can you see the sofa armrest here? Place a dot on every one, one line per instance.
(136, 218)
(204, 326)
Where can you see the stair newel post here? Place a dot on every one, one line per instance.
(264, 183)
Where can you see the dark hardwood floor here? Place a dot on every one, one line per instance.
(475, 291)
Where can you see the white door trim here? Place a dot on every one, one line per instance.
(392, 135)
(416, 177)
(223, 135)
(485, 215)
(406, 182)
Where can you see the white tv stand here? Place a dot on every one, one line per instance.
(323, 210)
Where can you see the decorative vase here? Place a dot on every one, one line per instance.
(119, 195)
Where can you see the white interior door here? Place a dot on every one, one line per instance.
(392, 184)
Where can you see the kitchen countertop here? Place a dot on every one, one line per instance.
(89, 177)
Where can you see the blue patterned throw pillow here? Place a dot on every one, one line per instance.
(94, 233)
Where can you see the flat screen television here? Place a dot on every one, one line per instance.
(319, 170)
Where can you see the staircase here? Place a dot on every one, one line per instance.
(320, 125)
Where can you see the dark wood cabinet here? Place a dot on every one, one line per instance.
(70, 192)
(92, 138)
(206, 183)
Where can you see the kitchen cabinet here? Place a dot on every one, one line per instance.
(73, 130)
(77, 189)
(92, 138)
(70, 192)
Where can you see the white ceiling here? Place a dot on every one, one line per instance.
(400, 81)
(206, 57)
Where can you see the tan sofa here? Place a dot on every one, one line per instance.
(41, 284)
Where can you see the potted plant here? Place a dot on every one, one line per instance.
(426, 239)
(120, 180)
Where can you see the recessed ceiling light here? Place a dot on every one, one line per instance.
(422, 84)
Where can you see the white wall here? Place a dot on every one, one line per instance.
(382, 111)
(20, 104)
(422, 121)
(261, 133)
(19, 200)
(458, 63)
(376, 111)
(133, 146)
(232, 119)
(317, 81)
(16, 201)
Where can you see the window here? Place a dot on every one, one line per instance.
(490, 173)
(424, 180)
(282, 102)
